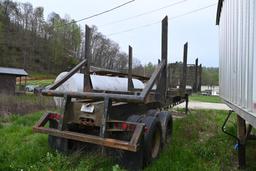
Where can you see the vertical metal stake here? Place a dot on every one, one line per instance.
(184, 72)
(130, 83)
(196, 72)
(64, 106)
(200, 77)
(162, 83)
(186, 109)
(87, 79)
(107, 107)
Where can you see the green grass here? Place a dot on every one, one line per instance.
(21, 149)
(41, 75)
(40, 82)
(197, 144)
(201, 98)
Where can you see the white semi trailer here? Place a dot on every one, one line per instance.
(237, 42)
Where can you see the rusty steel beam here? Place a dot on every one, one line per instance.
(132, 145)
(241, 134)
(184, 72)
(196, 74)
(103, 71)
(162, 82)
(105, 116)
(94, 95)
(152, 80)
(130, 83)
(200, 77)
(137, 134)
(107, 142)
(67, 76)
(87, 78)
(42, 121)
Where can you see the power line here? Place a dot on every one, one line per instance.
(172, 18)
(103, 12)
(135, 28)
(194, 11)
(144, 13)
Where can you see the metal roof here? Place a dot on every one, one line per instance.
(220, 3)
(13, 71)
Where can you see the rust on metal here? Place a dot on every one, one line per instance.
(195, 86)
(130, 83)
(184, 70)
(200, 78)
(162, 82)
(137, 134)
(94, 95)
(105, 116)
(108, 72)
(87, 78)
(152, 80)
(107, 142)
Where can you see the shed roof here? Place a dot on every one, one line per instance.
(13, 71)
(220, 3)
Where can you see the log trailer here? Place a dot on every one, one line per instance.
(134, 123)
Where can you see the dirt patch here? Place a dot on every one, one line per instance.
(204, 106)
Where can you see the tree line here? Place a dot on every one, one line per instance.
(28, 40)
(210, 76)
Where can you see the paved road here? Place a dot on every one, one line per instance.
(204, 105)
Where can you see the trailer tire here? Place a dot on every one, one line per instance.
(153, 141)
(167, 125)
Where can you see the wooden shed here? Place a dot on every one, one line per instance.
(8, 78)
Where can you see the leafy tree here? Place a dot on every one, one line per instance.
(210, 76)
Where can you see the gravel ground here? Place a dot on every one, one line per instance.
(204, 105)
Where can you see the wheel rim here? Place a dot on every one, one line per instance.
(156, 143)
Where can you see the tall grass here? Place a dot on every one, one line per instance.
(21, 149)
(23, 104)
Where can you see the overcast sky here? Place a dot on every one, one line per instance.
(198, 28)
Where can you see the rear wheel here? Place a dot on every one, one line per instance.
(153, 140)
(167, 124)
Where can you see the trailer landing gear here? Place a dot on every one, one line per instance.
(243, 134)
